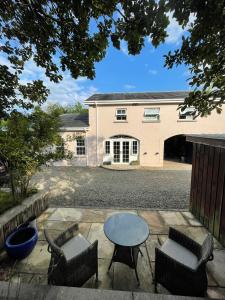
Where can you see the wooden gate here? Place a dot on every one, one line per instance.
(207, 197)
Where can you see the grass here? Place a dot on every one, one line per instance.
(6, 200)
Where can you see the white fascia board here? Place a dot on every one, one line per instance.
(139, 101)
(73, 128)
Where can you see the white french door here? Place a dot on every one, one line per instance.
(121, 152)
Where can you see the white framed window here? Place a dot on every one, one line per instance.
(134, 147)
(107, 147)
(187, 114)
(121, 114)
(80, 149)
(60, 149)
(152, 114)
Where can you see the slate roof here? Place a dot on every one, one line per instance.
(74, 120)
(139, 96)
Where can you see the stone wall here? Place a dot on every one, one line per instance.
(19, 214)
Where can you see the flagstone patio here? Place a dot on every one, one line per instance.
(34, 268)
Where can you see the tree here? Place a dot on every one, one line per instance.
(58, 109)
(203, 50)
(76, 34)
(28, 142)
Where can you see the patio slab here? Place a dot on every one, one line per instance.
(155, 221)
(105, 247)
(172, 218)
(34, 268)
(151, 243)
(191, 219)
(125, 279)
(217, 267)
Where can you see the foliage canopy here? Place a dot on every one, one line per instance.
(76, 34)
(27, 142)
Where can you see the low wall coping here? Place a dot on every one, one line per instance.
(34, 292)
(10, 219)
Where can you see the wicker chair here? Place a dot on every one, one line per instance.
(73, 259)
(180, 264)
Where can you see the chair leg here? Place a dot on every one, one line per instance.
(155, 285)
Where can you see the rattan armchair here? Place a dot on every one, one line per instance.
(73, 259)
(180, 264)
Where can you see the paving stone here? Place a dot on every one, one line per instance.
(83, 229)
(125, 279)
(109, 213)
(56, 225)
(105, 278)
(50, 210)
(66, 214)
(216, 293)
(38, 260)
(8, 265)
(30, 278)
(172, 218)
(211, 280)
(153, 218)
(217, 267)
(43, 217)
(105, 247)
(197, 233)
(93, 215)
(151, 243)
(162, 239)
(217, 244)
(89, 284)
(191, 218)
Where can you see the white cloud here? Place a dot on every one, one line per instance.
(187, 73)
(66, 91)
(123, 47)
(129, 86)
(175, 31)
(152, 72)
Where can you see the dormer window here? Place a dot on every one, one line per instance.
(121, 114)
(187, 114)
(152, 114)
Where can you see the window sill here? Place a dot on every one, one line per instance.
(184, 120)
(151, 121)
(117, 121)
(83, 155)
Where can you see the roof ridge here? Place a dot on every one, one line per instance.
(145, 92)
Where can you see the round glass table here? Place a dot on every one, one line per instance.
(127, 231)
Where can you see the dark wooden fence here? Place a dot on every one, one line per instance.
(207, 197)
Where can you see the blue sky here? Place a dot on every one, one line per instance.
(119, 72)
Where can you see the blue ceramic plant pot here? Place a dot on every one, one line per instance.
(21, 242)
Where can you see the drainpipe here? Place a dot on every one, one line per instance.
(96, 134)
(86, 138)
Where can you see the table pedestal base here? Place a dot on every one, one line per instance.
(127, 256)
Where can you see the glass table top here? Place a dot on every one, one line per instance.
(126, 229)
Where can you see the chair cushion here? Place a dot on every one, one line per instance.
(180, 254)
(75, 246)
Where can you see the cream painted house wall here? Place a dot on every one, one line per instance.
(151, 135)
(69, 138)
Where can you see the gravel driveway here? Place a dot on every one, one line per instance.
(98, 187)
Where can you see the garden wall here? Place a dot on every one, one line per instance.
(19, 214)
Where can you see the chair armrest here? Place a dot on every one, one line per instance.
(66, 235)
(185, 241)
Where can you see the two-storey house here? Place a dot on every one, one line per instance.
(126, 128)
